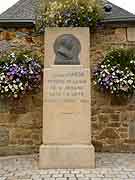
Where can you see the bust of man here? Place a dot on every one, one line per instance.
(67, 49)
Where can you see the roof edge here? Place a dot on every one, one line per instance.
(16, 20)
(119, 19)
(6, 23)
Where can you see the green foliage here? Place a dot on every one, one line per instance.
(125, 57)
(70, 13)
(20, 56)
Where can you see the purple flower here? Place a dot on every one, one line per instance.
(24, 75)
(17, 80)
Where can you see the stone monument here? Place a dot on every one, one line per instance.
(67, 100)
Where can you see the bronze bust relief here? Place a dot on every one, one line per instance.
(67, 49)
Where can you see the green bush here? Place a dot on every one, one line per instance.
(71, 13)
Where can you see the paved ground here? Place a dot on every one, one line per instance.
(109, 167)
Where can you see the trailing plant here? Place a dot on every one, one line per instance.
(70, 13)
(20, 72)
(116, 73)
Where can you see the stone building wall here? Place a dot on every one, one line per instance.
(113, 123)
(113, 119)
(21, 119)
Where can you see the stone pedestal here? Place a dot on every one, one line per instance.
(67, 156)
(67, 116)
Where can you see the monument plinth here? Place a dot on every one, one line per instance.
(67, 100)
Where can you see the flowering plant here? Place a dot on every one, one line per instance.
(20, 72)
(116, 74)
(71, 13)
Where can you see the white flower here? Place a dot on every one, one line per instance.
(25, 56)
(131, 74)
(111, 83)
(2, 76)
(99, 79)
(10, 86)
(20, 84)
(117, 81)
(31, 72)
(121, 80)
(130, 81)
(15, 95)
(6, 89)
(12, 55)
(106, 71)
(13, 90)
(15, 86)
(103, 75)
(22, 88)
(102, 66)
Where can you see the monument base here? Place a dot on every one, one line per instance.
(67, 156)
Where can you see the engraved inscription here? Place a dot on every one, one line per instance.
(67, 86)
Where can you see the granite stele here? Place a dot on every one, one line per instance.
(67, 100)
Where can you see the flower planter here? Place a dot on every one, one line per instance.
(120, 100)
(116, 74)
(4, 105)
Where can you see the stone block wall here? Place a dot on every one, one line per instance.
(21, 119)
(113, 120)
